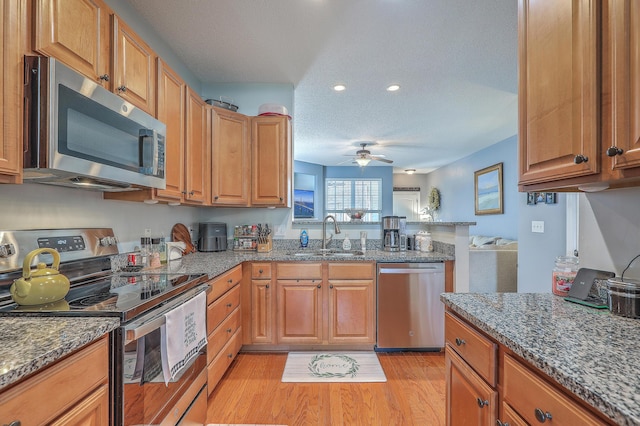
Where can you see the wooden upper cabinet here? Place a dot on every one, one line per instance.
(171, 111)
(11, 81)
(559, 63)
(271, 161)
(196, 149)
(230, 158)
(76, 32)
(134, 67)
(624, 33)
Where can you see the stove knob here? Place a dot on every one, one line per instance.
(7, 250)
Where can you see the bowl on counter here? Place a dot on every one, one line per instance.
(355, 215)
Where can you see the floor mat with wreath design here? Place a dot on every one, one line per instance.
(333, 367)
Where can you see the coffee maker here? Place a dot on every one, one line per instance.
(391, 233)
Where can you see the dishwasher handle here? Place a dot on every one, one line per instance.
(423, 270)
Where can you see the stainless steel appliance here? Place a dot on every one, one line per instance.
(140, 299)
(79, 134)
(410, 314)
(391, 233)
(212, 236)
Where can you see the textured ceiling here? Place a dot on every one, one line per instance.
(455, 60)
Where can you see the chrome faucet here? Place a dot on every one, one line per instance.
(336, 229)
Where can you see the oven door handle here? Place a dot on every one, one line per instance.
(157, 319)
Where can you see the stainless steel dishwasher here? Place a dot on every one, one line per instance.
(410, 313)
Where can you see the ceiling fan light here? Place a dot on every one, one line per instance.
(410, 171)
(362, 161)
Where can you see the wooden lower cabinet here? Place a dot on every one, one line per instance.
(295, 304)
(470, 400)
(74, 391)
(521, 395)
(224, 324)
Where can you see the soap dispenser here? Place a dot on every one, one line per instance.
(346, 244)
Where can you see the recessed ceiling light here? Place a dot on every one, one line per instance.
(410, 171)
(393, 88)
(339, 87)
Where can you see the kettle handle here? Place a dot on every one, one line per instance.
(26, 265)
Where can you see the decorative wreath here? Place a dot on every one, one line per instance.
(434, 199)
(316, 370)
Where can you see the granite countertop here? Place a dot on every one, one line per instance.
(592, 353)
(216, 263)
(28, 344)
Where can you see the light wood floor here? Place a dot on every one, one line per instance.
(251, 393)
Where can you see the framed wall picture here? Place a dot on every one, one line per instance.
(488, 190)
(531, 198)
(550, 197)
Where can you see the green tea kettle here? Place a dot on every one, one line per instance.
(42, 285)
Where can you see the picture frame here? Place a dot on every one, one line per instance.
(550, 197)
(531, 198)
(488, 190)
(303, 204)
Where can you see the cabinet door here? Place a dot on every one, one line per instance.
(624, 24)
(171, 111)
(271, 161)
(351, 311)
(299, 311)
(134, 67)
(77, 33)
(558, 89)
(92, 410)
(230, 158)
(11, 18)
(196, 149)
(262, 312)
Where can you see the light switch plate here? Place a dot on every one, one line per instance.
(537, 226)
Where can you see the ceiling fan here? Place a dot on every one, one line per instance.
(363, 156)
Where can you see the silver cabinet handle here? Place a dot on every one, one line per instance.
(579, 159)
(460, 341)
(499, 423)
(14, 423)
(542, 416)
(122, 89)
(104, 77)
(482, 403)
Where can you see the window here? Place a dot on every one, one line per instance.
(343, 194)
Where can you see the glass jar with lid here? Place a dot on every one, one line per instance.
(564, 272)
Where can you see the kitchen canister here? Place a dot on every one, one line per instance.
(423, 241)
(563, 274)
(624, 297)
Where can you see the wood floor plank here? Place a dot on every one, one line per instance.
(251, 392)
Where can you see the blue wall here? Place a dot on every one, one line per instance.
(456, 185)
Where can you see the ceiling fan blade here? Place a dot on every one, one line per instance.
(380, 158)
(384, 160)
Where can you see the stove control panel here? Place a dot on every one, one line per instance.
(62, 244)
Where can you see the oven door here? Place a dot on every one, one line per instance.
(146, 399)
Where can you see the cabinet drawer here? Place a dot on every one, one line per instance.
(531, 397)
(58, 388)
(220, 285)
(260, 271)
(299, 270)
(223, 360)
(478, 351)
(348, 271)
(221, 308)
(222, 334)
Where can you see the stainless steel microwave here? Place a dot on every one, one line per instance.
(79, 134)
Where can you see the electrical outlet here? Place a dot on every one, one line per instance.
(537, 226)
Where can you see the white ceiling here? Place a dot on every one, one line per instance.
(455, 60)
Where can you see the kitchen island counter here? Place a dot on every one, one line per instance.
(28, 344)
(591, 353)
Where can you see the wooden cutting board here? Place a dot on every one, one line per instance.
(179, 232)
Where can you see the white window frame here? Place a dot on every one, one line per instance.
(372, 204)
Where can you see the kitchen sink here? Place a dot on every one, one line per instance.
(328, 253)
